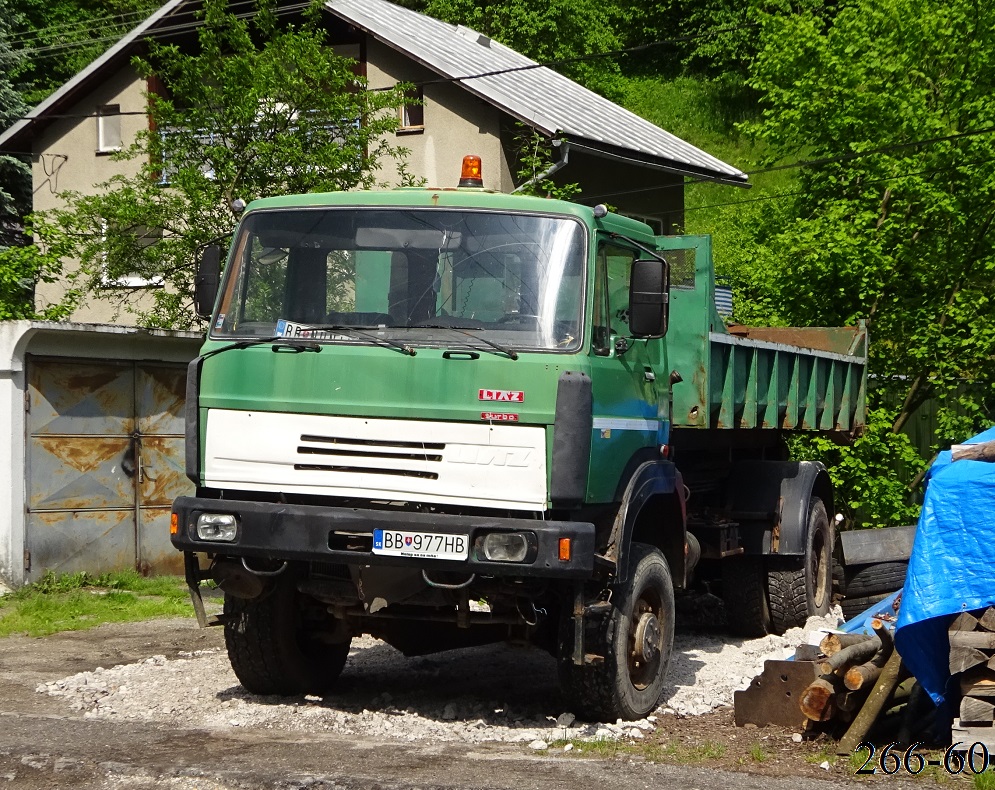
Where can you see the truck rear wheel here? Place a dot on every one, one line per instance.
(744, 591)
(769, 595)
(634, 639)
(272, 647)
(804, 587)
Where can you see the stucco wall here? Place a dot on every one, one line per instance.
(456, 123)
(66, 159)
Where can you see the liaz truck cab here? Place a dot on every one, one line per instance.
(449, 417)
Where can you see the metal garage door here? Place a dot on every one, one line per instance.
(105, 461)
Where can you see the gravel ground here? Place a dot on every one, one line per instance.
(492, 693)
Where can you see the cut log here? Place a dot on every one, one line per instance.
(965, 621)
(962, 658)
(983, 640)
(872, 708)
(861, 675)
(886, 635)
(976, 711)
(833, 643)
(854, 654)
(984, 451)
(818, 702)
(978, 681)
(987, 620)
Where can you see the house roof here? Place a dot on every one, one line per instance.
(535, 95)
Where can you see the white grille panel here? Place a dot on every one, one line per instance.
(410, 460)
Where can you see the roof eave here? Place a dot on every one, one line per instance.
(17, 136)
(608, 151)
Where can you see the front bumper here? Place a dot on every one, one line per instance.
(340, 535)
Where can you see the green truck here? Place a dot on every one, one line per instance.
(451, 417)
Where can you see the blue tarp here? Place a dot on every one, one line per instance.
(952, 567)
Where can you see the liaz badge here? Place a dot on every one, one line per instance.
(505, 396)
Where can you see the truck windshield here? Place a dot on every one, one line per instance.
(411, 275)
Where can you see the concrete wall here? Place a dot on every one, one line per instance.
(18, 340)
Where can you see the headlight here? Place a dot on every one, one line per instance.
(222, 527)
(505, 546)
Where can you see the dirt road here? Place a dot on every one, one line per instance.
(46, 744)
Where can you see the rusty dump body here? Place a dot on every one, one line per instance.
(792, 378)
(738, 377)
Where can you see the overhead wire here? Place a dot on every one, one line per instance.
(193, 24)
(157, 32)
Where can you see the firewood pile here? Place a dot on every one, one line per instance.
(972, 665)
(854, 687)
(861, 681)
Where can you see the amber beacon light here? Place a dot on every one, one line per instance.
(471, 176)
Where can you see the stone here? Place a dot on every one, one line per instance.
(538, 745)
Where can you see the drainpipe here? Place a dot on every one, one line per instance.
(564, 153)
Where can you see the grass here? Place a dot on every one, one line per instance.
(671, 752)
(76, 601)
(758, 754)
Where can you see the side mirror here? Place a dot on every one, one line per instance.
(207, 281)
(649, 297)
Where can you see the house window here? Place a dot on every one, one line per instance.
(108, 128)
(413, 111)
(121, 246)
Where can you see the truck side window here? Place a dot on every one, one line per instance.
(600, 337)
(611, 294)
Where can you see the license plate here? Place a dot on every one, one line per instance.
(425, 545)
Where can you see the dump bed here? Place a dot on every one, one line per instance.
(736, 377)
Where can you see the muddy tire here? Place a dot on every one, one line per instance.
(744, 591)
(272, 646)
(635, 639)
(874, 578)
(769, 595)
(803, 588)
(852, 607)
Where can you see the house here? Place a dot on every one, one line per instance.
(476, 94)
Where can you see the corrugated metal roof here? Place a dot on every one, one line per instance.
(534, 94)
(537, 95)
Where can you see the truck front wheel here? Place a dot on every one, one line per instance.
(628, 648)
(276, 646)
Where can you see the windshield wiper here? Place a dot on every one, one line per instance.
(462, 330)
(386, 342)
(277, 340)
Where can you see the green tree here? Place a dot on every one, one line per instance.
(17, 276)
(58, 38)
(257, 110)
(892, 106)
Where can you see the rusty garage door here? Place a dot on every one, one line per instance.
(105, 461)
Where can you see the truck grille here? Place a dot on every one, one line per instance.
(342, 448)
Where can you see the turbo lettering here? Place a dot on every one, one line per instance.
(494, 416)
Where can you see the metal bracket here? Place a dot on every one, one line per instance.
(191, 568)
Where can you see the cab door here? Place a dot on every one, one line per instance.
(626, 377)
